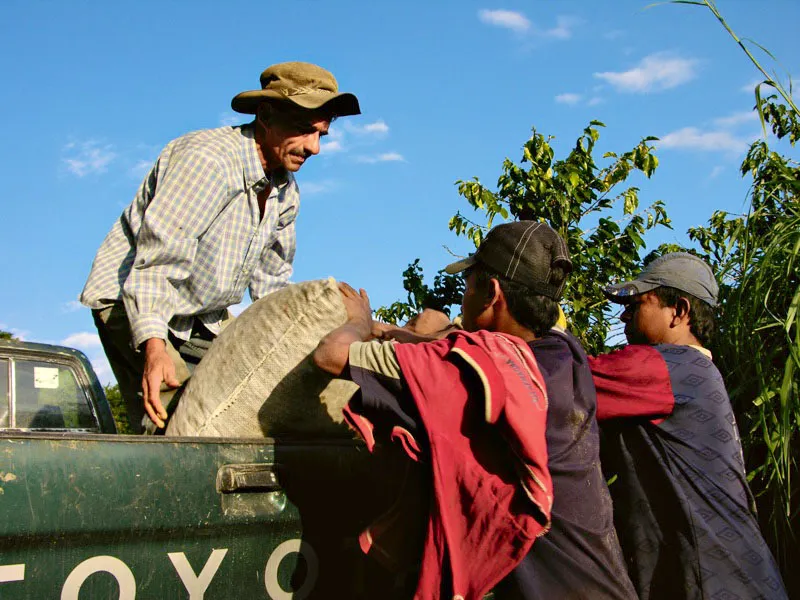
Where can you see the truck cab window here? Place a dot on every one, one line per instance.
(49, 397)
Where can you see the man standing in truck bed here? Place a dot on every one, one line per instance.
(213, 217)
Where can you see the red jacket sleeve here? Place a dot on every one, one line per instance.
(632, 382)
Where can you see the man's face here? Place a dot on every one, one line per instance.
(473, 305)
(290, 143)
(646, 321)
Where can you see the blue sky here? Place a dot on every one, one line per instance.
(93, 90)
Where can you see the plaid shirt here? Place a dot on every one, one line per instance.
(192, 240)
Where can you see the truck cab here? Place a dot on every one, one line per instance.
(50, 388)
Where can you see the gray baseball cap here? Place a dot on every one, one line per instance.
(679, 270)
(524, 252)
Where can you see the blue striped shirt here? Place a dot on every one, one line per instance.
(193, 239)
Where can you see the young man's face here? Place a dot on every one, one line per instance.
(291, 143)
(646, 321)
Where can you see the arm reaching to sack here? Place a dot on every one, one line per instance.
(158, 368)
(333, 351)
(428, 326)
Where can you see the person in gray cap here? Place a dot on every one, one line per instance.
(513, 284)
(213, 217)
(683, 510)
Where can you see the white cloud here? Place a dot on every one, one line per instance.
(568, 98)
(102, 369)
(595, 101)
(614, 34)
(20, 334)
(88, 157)
(766, 90)
(82, 340)
(732, 120)
(751, 86)
(317, 187)
(656, 72)
(376, 127)
(379, 127)
(691, 138)
(385, 157)
(505, 18)
(332, 146)
(72, 306)
(715, 172)
(519, 23)
(140, 168)
(562, 30)
(227, 119)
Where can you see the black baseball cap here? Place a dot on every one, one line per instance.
(524, 252)
(679, 270)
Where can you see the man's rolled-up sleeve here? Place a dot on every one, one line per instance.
(632, 382)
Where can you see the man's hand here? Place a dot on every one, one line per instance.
(358, 310)
(158, 368)
(333, 351)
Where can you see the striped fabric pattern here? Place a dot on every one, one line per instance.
(192, 241)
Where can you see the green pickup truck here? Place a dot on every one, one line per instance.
(87, 513)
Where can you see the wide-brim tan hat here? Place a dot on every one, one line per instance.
(303, 84)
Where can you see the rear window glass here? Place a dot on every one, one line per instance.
(49, 397)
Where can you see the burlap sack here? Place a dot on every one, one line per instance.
(258, 378)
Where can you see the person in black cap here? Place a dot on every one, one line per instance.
(682, 507)
(513, 284)
(213, 217)
(522, 268)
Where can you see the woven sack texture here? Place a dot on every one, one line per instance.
(258, 378)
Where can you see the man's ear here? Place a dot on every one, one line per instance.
(497, 294)
(683, 311)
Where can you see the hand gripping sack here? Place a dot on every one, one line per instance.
(258, 378)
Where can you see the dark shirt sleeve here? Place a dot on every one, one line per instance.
(632, 382)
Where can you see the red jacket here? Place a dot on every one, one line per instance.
(489, 500)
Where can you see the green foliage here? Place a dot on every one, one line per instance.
(587, 204)
(118, 408)
(446, 291)
(758, 257)
(5, 335)
(759, 346)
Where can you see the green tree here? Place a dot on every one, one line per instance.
(758, 258)
(446, 291)
(5, 335)
(758, 349)
(588, 204)
(118, 408)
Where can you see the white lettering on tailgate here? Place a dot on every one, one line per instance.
(197, 585)
(12, 573)
(274, 589)
(118, 570)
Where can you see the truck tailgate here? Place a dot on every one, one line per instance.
(105, 516)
